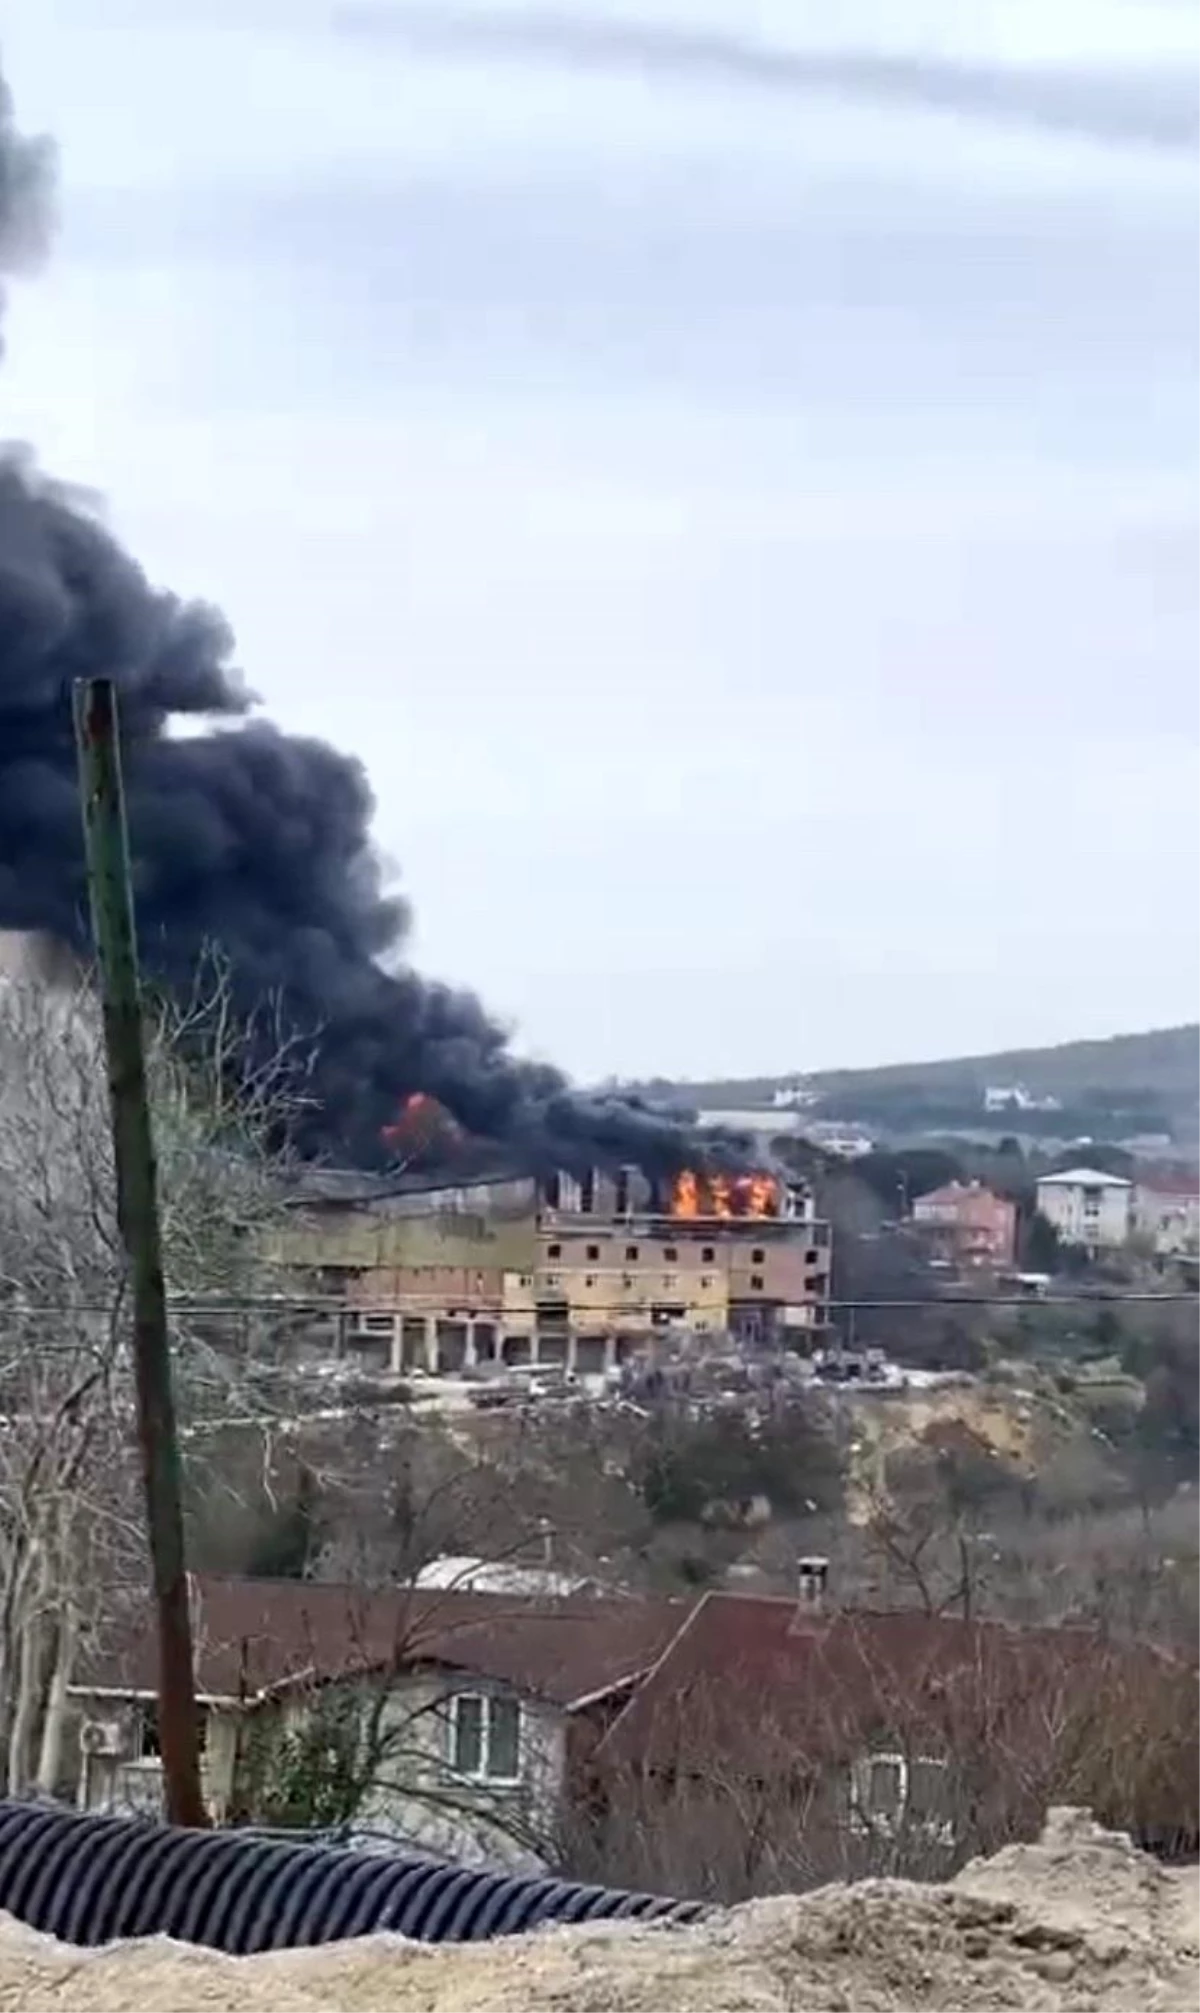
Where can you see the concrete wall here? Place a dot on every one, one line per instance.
(132, 1784)
(616, 1277)
(479, 1227)
(430, 1288)
(473, 1822)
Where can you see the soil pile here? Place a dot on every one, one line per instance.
(1079, 1920)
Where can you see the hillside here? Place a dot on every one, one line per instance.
(1165, 1060)
(1162, 1063)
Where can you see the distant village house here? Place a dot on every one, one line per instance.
(1166, 1210)
(1088, 1207)
(965, 1224)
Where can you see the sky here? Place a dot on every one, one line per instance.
(728, 470)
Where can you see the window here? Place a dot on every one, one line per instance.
(378, 1324)
(631, 1252)
(554, 1251)
(811, 1257)
(552, 1279)
(485, 1737)
(593, 1252)
(756, 1282)
(891, 1790)
(144, 1741)
(670, 1254)
(758, 1258)
(706, 1279)
(707, 1255)
(670, 1282)
(589, 1279)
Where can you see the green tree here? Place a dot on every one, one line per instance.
(688, 1467)
(287, 1547)
(1039, 1244)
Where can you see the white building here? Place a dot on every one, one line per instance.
(1087, 1206)
(795, 1097)
(1015, 1097)
(847, 1142)
(773, 1122)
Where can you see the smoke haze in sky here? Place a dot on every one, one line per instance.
(254, 843)
(733, 485)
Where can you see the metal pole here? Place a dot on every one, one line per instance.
(98, 750)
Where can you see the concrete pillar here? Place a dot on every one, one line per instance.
(534, 1355)
(610, 1351)
(397, 1344)
(432, 1363)
(572, 1350)
(470, 1355)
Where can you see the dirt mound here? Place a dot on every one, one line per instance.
(1079, 1920)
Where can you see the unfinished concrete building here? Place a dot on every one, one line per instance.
(571, 1271)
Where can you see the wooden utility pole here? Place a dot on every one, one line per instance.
(98, 748)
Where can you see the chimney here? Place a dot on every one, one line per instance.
(812, 1579)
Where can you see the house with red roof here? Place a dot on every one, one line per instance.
(965, 1224)
(725, 1747)
(445, 1718)
(1166, 1209)
(775, 1743)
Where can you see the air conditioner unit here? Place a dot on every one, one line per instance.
(102, 1736)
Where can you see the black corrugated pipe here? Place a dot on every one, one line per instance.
(91, 1880)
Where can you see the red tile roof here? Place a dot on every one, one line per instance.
(252, 1635)
(744, 1670)
(1185, 1186)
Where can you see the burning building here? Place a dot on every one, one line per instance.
(711, 1251)
(573, 1269)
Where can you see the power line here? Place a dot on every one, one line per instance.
(414, 1303)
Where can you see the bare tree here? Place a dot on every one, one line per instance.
(69, 1516)
(367, 1745)
(898, 1764)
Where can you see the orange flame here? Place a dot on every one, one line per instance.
(722, 1195)
(420, 1117)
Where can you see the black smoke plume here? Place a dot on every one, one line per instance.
(254, 841)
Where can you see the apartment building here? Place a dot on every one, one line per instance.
(570, 1271)
(749, 1258)
(1087, 1207)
